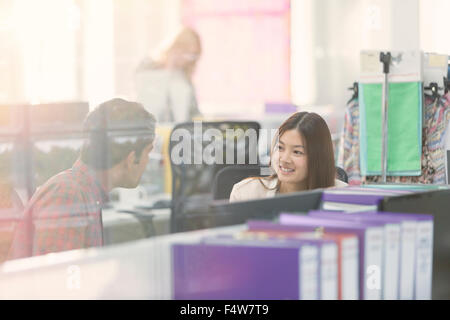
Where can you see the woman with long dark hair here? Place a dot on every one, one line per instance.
(302, 159)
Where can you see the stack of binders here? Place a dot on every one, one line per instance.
(353, 199)
(370, 245)
(347, 244)
(277, 269)
(407, 253)
(322, 255)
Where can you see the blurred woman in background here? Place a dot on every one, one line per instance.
(164, 81)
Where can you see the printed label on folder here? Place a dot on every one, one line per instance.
(424, 260)
(391, 261)
(373, 259)
(408, 256)
(350, 269)
(309, 273)
(328, 272)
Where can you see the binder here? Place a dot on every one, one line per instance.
(407, 252)
(347, 244)
(363, 199)
(423, 266)
(370, 236)
(392, 246)
(370, 189)
(327, 267)
(349, 202)
(251, 271)
(436, 203)
(354, 199)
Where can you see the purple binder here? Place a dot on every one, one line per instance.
(392, 251)
(424, 252)
(309, 223)
(408, 288)
(375, 216)
(370, 190)
(242, 272)
(355, 216)
(405, 216)
(286, 242)
(367, 199)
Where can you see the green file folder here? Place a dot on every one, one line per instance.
(404, 129)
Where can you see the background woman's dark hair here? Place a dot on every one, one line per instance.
(319, 148)
(115, 128)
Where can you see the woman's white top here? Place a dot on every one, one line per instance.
(252, 188)
(168, 94)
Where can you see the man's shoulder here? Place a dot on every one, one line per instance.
(64, 179)
(61, 185)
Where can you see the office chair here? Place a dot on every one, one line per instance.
(227, 177)
(192, 179)
(341, 174)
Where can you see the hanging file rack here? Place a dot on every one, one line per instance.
(411, 69)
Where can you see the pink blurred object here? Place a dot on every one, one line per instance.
(246, 50)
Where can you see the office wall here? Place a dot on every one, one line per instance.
(328, 35)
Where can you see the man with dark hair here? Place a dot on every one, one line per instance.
(66, 212)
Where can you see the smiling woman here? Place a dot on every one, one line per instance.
(302, 158)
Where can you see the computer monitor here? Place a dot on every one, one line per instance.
(201, 214)
(230, 213)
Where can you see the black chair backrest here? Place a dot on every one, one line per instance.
(227, 177)
(193, 170)
(199, 150)
(341, 174)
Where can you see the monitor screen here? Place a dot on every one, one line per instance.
(228, 213)
(201, 214)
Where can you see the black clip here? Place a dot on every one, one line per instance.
(355, 90)
(385, 58)
(446, 85)
(434, 89)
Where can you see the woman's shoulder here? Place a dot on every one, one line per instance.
(253, 188)
(339, 183)
(149, 64)
(255, 182)
(152, 78)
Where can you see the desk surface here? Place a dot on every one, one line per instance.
(123, 222)
(134, 270)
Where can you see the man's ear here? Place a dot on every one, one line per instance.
(132, 159)
(136, 159)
